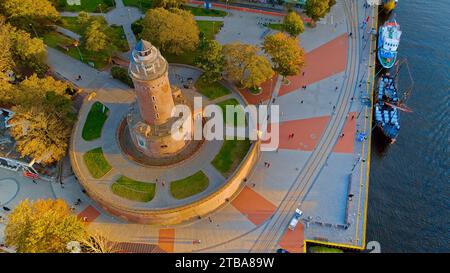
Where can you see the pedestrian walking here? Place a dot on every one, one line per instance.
(350, 34)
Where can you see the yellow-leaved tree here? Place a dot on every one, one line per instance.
(43, 226)
(173, 31)
(286, 54)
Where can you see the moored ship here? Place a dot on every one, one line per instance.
(388, 42)
(386, 108)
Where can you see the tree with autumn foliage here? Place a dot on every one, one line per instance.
(21, 13)
(173, 31)
(293, 24)
(287, 56)
(211, 60)
(43, 226)
(43, 117)
(244, 66)
(168, 3)
(317, 9)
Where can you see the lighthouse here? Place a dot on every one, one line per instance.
(149, 118)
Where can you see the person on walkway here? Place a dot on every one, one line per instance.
(79, 78)
(350, 34)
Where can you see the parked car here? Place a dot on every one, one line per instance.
(294, 221)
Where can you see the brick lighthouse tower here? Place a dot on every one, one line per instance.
(149, 118)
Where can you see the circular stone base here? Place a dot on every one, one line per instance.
(129, 149)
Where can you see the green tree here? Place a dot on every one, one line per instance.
(95, 38)
(285, 52)
(22, 13)
(174, 31)
(168, 3)
(245, 66)
(211, 60)
(317, 9)
(43, 226)
(293, 24)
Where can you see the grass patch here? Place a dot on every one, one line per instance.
(189, 186)
(70, 23)
(57, 40)
(211, 90)
(134, 190)
(115, 33)
(275, 26)
(143, 5)
(96, 162)
(86, 5)
(240, 111)
(198, 11)
(322, 249)
(230, 155)
(209, 28)
(92, 128)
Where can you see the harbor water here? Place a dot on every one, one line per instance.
(409, 190)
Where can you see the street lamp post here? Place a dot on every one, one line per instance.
(35, 32)
(79, 51)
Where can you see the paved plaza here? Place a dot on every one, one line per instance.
(325, 118)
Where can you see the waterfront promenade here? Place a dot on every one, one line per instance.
(316, 170)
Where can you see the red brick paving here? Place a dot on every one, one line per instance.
(293, 240)
(266, 93)
(346, 144)
(254, 206)
(90, 213)
(307, 133)
(166, 239)
(321, 63)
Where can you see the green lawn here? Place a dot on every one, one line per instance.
(197, 11)
(96, 162)
(86, 5)
(116, 33)
(275, 26)
(189, 186)
(92, 128)
(70, 23)
(230, 156)
(211, 90)
(322, 249)
(144, 5)
(134, 190)
(55, 39)
(209, 28)
(240, 111)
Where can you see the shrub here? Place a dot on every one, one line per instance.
(121, 74)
